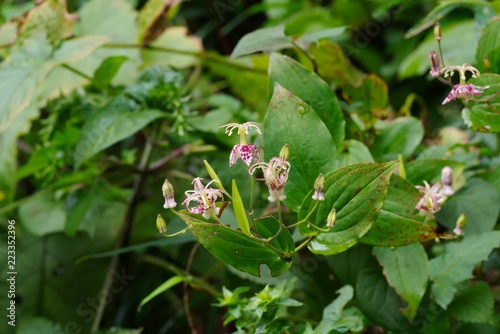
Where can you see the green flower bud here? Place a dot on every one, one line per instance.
(161, 224)
(437, 31)
(319, 188)
(332, 218)
(285, 153)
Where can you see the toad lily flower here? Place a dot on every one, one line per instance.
(247, 152)
(430, 198)
(461, 90)
(168, 193)
(205, 197)
(275, 175)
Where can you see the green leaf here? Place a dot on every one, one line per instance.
(105, 128)
(265, 39)
(456, 263)
(239, 210)
(372, 95)
(309, 87)
(479, 201)
(335, 318)
(488, 48)
(289, 121)
(395, 225)
(102, 18)
(407, 271)
(482, 116)
(268, 227)
(237, 250)
(354, 152)
(357, 193)
(39, 325)
(429, 170)
(170, 283)
(107, 71)
(402, 136)
(186, 50)
(379, 302)
(473, 303)
(456, 35)
(43, 215)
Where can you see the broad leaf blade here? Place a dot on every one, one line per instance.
(312, 151)
(456, 263)
(395, 225)
(236, 249)
(407, 271)
(357, 193)
(106, 128)
(309, 87)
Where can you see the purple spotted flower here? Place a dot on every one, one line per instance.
(430, 198)
(465, 92)
(275, 174)
(248, 153)
(205, 197)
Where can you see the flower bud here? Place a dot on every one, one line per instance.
(319, 188)
(332, 218)
(461, 222)
(447, 180)
(437, 31)
(285, 153)
(161, 224)
(486, 64)
(168, 193)
(435, 64)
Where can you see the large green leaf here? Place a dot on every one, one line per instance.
(335, 317)
(473, 303)
(402, 136)
(107, 127)
(312, 151)
(407, 271)
(312, 90)
(488, 48)
(395, 225)
(236, 249)
(39, 325)
(479, 201)
(265, 39)
(456, 263)
(357, 193)
(151, 19)
(379, 302)
(43, 215)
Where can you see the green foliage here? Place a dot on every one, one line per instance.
(368, 205)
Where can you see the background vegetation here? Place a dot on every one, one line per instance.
(101, 100)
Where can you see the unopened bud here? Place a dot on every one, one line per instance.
(285, 153)
(332, 218)
(447, 180)
(319, 188)
(486, 64)
(461, 222)
(161, 224)
(168, 193)
(437, 31)
(435, 64)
